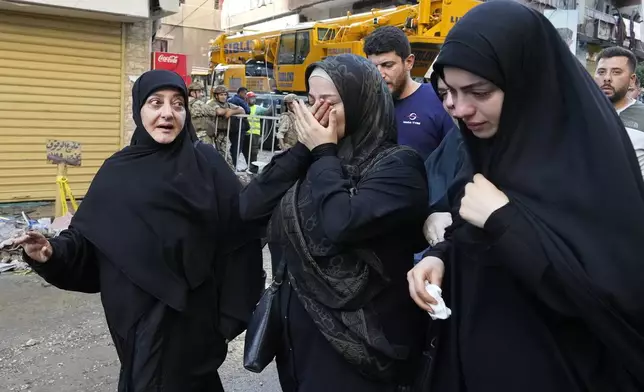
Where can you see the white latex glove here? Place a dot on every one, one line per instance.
(435, 225)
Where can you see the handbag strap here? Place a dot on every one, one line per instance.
(278, 277)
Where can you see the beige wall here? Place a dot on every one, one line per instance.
(197, 14)
(108, 9)
(190, 41)
(138, 43)
(189, 31)
(238, 13)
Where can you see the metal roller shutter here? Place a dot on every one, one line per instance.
(60, 78)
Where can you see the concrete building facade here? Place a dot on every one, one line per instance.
(190, 30)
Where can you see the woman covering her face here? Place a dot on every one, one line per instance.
(544, 262)
(159, 236)
(346, 207)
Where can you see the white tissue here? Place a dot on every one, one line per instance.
(440, 310)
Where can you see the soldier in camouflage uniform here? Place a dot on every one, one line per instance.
(287, 135)
(225, 110)
(204, 118)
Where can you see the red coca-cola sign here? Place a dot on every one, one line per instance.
(176, 62)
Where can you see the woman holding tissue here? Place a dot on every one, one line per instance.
(346, 207)
(542, 267)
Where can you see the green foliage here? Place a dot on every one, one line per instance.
(639, 71)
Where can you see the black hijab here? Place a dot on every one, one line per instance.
(152, 209)
(563, 157)
(336, 284)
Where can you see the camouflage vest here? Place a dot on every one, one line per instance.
(222, 122)
(202, 119)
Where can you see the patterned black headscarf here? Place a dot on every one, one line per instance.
(337, 284)
(368, 107)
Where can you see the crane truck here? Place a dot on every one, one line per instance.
(276, 61)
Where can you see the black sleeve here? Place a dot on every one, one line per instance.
(234, 232)
(440, 250)
(260, 197)
(73, 265)
(517, 246)
(240, 273)
(395, 192)
(239, 267)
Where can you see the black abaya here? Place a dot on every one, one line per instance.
(547, 296)
(176, 351)
(346, 219)
(306, 362)
(160, 237)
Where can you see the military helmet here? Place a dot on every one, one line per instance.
(196, 85)
(220, 89)
(290, 98)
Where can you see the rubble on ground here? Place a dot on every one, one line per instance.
(12, 227)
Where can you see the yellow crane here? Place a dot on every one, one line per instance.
(277, 60)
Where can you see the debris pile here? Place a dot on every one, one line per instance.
(12, 227)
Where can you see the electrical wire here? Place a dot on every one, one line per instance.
(184, 19)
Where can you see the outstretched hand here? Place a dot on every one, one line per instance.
(35, 245)
(309, 130)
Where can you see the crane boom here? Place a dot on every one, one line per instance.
(277, 60)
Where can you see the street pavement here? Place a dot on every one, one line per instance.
(57, 341)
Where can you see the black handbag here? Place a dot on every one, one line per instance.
(264, 333)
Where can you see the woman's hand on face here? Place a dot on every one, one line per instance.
(35, 245)
(481, 199)
(310, 131)
(430, 269)
(321, 110)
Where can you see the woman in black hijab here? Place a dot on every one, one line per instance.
(346, 207)
(544, 264)
(155, 235)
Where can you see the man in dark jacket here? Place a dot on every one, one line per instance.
(239, 99)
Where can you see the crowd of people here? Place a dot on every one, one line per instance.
(512, 183)
(218, 122)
